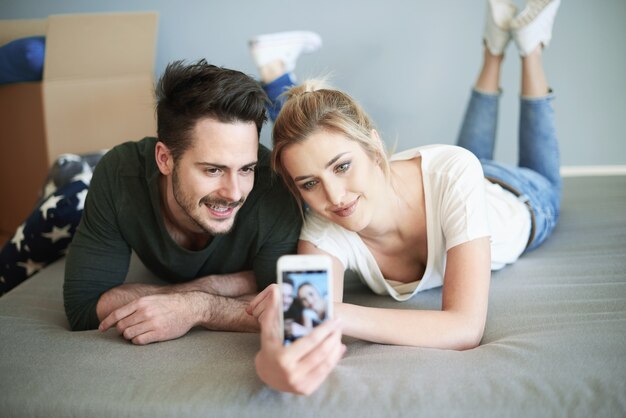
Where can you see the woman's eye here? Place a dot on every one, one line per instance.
(308, 185)
(342, 167)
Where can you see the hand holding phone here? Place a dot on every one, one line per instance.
(302, 366)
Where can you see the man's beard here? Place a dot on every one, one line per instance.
(188, 205)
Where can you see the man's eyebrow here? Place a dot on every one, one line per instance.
(250, 164)
(331, 162)
(222, 166)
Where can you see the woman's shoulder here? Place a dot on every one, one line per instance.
(448, 159)
(443, 152)
(437, 156)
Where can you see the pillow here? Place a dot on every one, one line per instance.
(22, 60)
(43, 237)
(46, 234)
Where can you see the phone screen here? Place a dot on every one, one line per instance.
(306, 302)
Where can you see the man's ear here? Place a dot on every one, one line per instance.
(164, 159)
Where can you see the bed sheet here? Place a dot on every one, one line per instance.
(554, 345)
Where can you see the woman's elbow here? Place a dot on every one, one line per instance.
(469, 335)
(471, 338)
(469, 343)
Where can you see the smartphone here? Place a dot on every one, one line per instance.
(305, 284)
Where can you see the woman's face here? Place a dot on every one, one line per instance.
(336, 178)
(309, 297)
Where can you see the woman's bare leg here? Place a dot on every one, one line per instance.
(489, 77)
(534, 82)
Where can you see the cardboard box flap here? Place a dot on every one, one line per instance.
(21, 28)
(88, 115)
(100, 45)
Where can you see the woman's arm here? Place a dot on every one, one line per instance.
(460, 323)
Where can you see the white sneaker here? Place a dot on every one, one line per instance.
(533, 26)
(497, 34)
(283, 46)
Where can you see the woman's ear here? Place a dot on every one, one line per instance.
(164, 159)
(380, 153)
(376, 137)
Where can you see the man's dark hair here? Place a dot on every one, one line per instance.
(189, 92)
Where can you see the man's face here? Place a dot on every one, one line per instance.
(212, 179)
(287, 292)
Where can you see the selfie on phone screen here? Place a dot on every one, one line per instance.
(305, 297)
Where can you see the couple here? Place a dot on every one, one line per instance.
(303, 306)
(427, 217)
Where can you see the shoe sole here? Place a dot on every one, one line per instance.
(311, 41)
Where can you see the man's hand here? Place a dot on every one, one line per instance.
(304, 365)
(155, 318)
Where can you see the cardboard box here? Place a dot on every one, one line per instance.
(96, 92)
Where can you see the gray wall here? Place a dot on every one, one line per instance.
(410, 63)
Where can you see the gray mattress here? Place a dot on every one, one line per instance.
(554, 345)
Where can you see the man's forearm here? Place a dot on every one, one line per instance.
(221, 313)
(228, 285)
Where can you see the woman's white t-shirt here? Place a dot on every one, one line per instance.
(461, 205)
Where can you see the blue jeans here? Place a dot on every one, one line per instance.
(536, 179)
(274, 90)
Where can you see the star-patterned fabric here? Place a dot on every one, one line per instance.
(46, 234)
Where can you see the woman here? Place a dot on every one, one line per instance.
(431, 216)
(314, 305)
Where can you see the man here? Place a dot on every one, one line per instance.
(198, 205)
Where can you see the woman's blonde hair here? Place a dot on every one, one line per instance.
(312, 107)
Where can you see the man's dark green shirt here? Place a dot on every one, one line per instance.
(122, 214)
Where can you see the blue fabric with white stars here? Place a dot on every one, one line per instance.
(46, 234)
